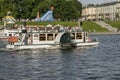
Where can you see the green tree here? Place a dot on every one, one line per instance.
(67, 9)
(43, 6)
(64, 9)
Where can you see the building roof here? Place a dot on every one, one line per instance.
(108, 4)
(100, 5)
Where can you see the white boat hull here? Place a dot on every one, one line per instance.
(49, 46)
(32, 46)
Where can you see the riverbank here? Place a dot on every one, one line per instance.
(103, 33)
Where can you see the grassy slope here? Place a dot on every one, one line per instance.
(91, 26)
(114, 23)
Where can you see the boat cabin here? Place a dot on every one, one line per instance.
(52, 37)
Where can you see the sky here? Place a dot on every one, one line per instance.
(85, 2)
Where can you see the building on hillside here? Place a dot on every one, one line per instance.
(106, 11)
(89, 12)
(118, 10)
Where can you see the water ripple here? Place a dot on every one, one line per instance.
(90, 63)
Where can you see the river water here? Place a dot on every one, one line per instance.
(91, 63)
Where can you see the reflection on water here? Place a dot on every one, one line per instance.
(91, 63)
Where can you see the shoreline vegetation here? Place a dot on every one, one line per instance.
(89, 26)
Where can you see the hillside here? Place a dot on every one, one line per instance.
(114, 24)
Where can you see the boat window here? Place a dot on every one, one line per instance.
(73, 35)
(49, 37)
(24, 31)
(56, 34)
(42, 37)
(49, 28)
(30, 36)
(42, 28)
(10, 34)
(79, 36)
(35, 35)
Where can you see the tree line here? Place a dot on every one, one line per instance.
(27, 9)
